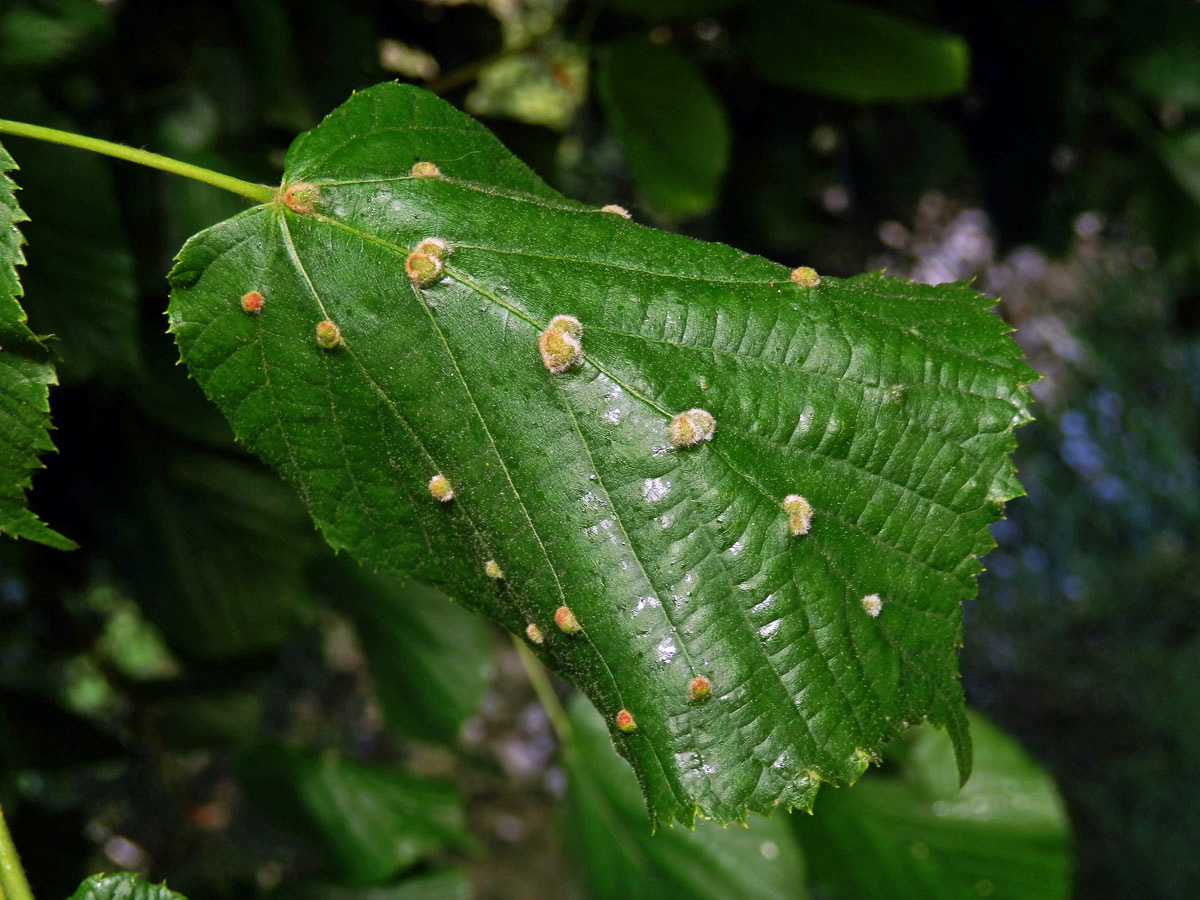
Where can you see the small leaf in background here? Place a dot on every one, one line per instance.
(669, 123)
(123, 886)
(26, 374)
(888, 405)
(449, 884)
(848, 51)
(909, 833)
(373, 822)
(430, 659)
(542, 86)
(621, 858)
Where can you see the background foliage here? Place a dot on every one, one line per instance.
(203, 645)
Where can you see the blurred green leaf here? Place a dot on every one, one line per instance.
(217, 551)
(621, 858)
(671, 126)
(911, 834)
(26, 374)
(1168, 73)
(44, 33)
(430, 659)
(374, 822)
(672, 9)
(194, 719)
(448, 884)
(855, 53)
(80, 282)
(123, 886)
(542, 86)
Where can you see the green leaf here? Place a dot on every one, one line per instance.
(26, 374)
(620, 858)
(374, 822)
(123, 886)
(543, 86)
(889, 405)
(670, 9)
(912, 833)
(855, 53)
(448, 884)
(669, 123)
(430, 660)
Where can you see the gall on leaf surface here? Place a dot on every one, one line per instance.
(676, 564)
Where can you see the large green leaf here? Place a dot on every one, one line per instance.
(888, 405)
(670, 124)
(26, 374)
(123, 886)
(848, 51)
(912, 834)
(620, 858)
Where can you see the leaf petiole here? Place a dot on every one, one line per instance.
(260, 193)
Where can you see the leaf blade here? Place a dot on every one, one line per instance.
(889, 405)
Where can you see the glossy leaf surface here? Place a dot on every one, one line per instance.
(888, 405)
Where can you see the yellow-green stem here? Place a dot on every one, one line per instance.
(13, 884)
(545, 691)
(260, 193)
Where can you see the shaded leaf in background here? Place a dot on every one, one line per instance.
(669, 123)
(889, 405)
(620, 858)
(123, 886)
(26, 374)
(669, 9)
(854, 53)
(80, 282)
(911, 834)
(544, 86)
(40, 34)
(373, 822)
(218, 555)
(430, 659)
(450, 884)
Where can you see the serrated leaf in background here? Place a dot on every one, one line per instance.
(910, 833)
(123, 886)
(26, 374)
(669, 122)
(848, 51)
(372, 821)
(889, 405)
(620, 858)
(430, 659)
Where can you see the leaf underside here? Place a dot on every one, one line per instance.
(26, 374)
(888, 405)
